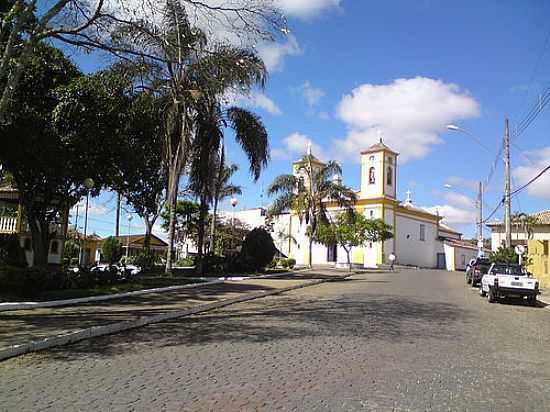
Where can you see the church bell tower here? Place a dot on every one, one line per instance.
(378, 172)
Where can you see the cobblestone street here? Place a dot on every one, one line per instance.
(413, 340)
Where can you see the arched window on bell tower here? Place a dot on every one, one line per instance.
(389, 176)
(372, 176)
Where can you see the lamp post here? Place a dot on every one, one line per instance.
(130, 217)
(88, 184)
(234, 202)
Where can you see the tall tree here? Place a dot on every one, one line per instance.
(352, 229)
(310, 194)
(64, 131)
(223, 188)
(97, 25)
(142, 179)
(193, 74)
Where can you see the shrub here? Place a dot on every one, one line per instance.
(291, 263)
(11, 252)
(29, 282)
(145, 260)
(187, 261)
(112, 250)
(258, 250)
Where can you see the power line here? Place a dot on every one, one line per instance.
(536, 109)
(543, 171)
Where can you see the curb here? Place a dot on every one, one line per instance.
(95, 331)
(4, 307)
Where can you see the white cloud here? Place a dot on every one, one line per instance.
(312, 94)
(523, 174)
(408, 113)
(453, 215)
(273, 53)
(306, 9)
(460, 200)
(296, 145)
(460, 209)
(93, 209)
(255, 99)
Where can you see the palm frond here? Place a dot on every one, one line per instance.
(252, 136)
(283, 184)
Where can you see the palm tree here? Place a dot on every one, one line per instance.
(310, 194)
(193, 75)
(223, 189)
(208, 174)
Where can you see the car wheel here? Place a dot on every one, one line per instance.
(491, 296)
(482, 292)
(532, 300)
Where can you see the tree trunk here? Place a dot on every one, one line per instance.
(148, 229)
(310, 251)
(349, 260)
(40, 233)
(172, 202)
(216, 198)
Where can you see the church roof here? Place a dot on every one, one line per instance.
(378, 147)
(305, 159)
(448, 229)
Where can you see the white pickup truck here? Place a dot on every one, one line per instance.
(508, 280)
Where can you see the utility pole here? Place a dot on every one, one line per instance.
(480, 227)
(507, 198)
(117, 222)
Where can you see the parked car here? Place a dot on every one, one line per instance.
(476, 269)
(509, 280)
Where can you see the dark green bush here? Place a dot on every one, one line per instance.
(291, 263)
(29, 282)
(188, 261)
(257, 251)
(112, 250)
(11, 252)
(145, 260)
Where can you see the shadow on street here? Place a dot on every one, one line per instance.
(378, 318)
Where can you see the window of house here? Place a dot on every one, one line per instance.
(372, 178)
(54, 247)
(27, 244)
(390, 160)
(389, 176)
(422, 232)
(372, 213)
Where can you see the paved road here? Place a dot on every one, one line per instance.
(414, 340)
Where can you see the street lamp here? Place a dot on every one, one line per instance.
(455, 128)
(234, 202)
(88, 184)
(130, 217)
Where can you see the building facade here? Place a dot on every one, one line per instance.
(419, 238)
(12, 222)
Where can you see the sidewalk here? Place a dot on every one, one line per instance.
(21, 327)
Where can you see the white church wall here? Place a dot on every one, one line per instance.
(410, 249)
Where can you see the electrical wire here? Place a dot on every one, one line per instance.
(543, 171)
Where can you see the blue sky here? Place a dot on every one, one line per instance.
(352, 69)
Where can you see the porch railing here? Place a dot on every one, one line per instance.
(8, 224)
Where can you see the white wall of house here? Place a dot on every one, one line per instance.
(55, 250)
(411, 250)
(498, 236)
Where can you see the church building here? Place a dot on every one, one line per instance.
(419, 237)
